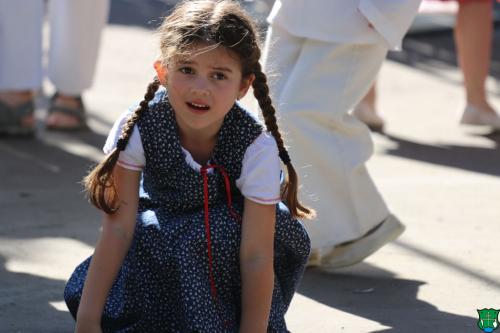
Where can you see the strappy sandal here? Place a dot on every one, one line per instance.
(78, 113)
(11, 119)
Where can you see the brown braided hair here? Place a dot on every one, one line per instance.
(192, 28)
(99, 182)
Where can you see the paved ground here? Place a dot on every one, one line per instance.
(443, 181)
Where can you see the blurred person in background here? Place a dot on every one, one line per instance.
(326, 54)
(473, 33)
(75, 31)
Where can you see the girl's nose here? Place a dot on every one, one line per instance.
(200, 88)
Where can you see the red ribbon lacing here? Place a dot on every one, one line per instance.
(234, 215)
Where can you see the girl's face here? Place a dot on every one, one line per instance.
(202, 88)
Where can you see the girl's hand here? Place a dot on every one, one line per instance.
(84, 326)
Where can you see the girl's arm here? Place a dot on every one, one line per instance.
(111, 248)
(256, 265)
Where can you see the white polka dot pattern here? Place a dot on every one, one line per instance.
(163, 284)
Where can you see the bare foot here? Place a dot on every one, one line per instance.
(61, 120)
(487, 108)
(481, 104)
(16, 98)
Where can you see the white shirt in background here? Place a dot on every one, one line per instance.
(346, 21)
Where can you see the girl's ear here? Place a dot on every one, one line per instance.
(245, 85)
(161, 72)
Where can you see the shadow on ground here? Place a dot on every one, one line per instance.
(470, 158)
(25, 305)
(40, 198)
(376, 294)
(43, 193)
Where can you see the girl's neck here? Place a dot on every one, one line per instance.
(200, 147)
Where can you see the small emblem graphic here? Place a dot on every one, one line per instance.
(488, 320)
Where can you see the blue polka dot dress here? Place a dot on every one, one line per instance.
(181, 273)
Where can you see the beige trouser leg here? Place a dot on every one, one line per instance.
(315, 85)
(75, 35)
(75, 31)
(21, 44)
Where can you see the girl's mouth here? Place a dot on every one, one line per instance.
(198, 107)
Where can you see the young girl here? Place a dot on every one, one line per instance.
(194, 236)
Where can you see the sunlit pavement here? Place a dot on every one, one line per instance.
(440, 179)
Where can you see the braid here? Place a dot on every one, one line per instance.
(289, 191)
(134, 117)
(99, 183)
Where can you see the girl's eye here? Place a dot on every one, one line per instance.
(186, 70)
(219, 76)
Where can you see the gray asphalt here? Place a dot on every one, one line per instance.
(442, 180)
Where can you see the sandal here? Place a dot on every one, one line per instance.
(78, 113)
(11, 119)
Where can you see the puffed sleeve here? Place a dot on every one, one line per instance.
(132, 157)
(261, 171)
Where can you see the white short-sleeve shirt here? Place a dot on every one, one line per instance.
(260, 173)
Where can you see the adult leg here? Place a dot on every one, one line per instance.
(20, 58)
(371, 96)
(21, 45)
(76, 27)
(473, 33)
(366, 110)
(328, 146)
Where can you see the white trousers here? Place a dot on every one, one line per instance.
(75, 30)
(316, 85)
